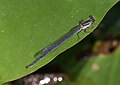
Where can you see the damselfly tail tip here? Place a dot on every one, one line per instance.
(29, 66)
(36, 61)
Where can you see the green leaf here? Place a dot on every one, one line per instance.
(28, 26)
(101, 70)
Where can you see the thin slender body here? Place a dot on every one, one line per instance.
(83, 25)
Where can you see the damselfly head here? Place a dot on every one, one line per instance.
(92, 18)
(87, 23)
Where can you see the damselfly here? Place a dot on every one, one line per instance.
(82, 26)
